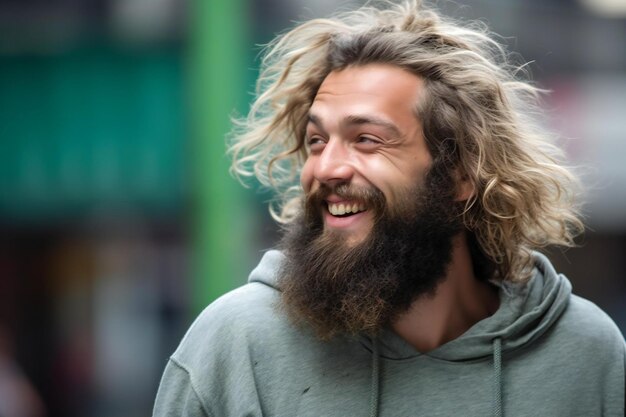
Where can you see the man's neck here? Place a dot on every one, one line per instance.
(460, 301)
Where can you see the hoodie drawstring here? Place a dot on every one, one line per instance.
(497, 377)
(375, 379)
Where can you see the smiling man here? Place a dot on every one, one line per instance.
(385, 218)
(407, 280)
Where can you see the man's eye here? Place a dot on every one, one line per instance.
(368, 140)
(315, 142)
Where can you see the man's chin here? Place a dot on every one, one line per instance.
(349, 238)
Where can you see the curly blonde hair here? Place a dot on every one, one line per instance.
(477, 113)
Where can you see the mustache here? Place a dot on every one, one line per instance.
(370, 196)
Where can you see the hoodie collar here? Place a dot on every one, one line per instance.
(527, 310)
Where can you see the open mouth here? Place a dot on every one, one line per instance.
(345, 209)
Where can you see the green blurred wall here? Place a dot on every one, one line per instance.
(222, 217)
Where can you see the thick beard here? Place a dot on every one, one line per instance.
(339, 288)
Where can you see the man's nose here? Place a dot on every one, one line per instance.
(334, 164)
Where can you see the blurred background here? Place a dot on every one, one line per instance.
(119, 221)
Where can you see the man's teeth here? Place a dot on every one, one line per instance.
(343, 208)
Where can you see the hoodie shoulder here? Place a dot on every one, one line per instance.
(591, 318)
(580, 322)
(250, 308)
(591, 330)
(240, 312)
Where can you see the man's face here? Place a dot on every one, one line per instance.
(375, 230)
(363, 132)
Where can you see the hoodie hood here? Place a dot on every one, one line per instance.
(527, 310)
(266, 271)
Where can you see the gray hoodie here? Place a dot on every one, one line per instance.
(545, 352)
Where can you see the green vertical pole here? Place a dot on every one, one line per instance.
(217, 70)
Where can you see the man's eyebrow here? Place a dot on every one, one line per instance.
(315, 120)
(352, 120)
(391, 128)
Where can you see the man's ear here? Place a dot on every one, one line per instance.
(464, 186)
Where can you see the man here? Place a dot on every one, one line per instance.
(407, 281)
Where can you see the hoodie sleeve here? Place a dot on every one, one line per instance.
(177, 396)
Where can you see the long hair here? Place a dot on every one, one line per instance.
(476, 112)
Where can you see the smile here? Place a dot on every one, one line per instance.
(345, 208)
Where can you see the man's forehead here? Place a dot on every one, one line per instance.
(378, 94)
(368, 75)
(384, 82)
